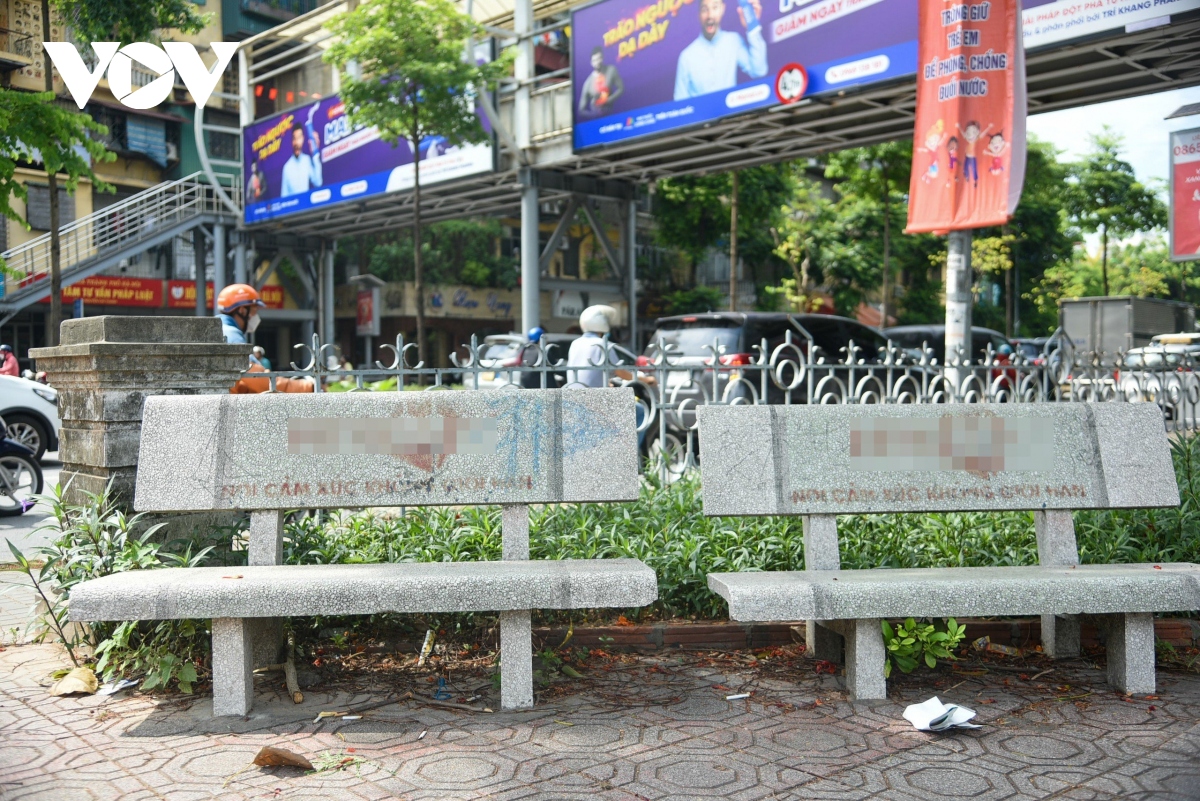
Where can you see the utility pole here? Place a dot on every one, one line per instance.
(56, 313)
(958, 304)
(887, 267)
(733, 254)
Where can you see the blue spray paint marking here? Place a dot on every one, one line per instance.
(525, 421)
(584, 430)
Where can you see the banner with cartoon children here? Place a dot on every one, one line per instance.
(969, 138)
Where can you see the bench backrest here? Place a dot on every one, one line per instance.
(831, 460)
(281, 451)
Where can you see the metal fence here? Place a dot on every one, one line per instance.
(670, 386)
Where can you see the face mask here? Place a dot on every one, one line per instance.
(252, 323)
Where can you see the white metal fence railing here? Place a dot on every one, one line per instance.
(111, 229)
(670, 386)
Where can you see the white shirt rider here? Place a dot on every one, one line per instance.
(711, 62)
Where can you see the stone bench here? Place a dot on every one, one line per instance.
(270, 453)
(232, 597)
(822, 461)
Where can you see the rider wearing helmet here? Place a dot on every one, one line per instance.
(589, 350)
(237, 307)
(530, 379)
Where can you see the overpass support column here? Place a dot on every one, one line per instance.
(530, 250)
(530, 269)
(631, 271)
(218, 264)
(201, 284)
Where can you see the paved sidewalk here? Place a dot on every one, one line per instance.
(645, 728)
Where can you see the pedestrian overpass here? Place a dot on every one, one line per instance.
(537, 171)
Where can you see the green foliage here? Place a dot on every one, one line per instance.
(32, 123)
(415, 81)
(666, 529)
(1142, 268)
(911, 643)
(692, 213)
(693, 301)
(1104, 195)
(453, 252)
(128, 21)
(837, 243)
(97, 539)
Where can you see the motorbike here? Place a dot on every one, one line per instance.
(20, 477)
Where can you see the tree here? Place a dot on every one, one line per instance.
(33, 126)
(693, 213)
(92, 21)
(416, 82)
(878, 171)
(128, 21)
(1105, 196)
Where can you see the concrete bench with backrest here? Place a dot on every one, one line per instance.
(270, 453)
(824, 461)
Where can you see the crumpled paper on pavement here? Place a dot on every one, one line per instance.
(933, 715)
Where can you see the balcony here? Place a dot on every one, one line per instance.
(16, 49)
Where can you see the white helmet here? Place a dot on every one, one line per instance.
(598, 319)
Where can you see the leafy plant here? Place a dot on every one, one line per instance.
(910, 643)
(98, 539)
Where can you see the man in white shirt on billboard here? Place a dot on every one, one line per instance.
(302, 172)
(711, 62)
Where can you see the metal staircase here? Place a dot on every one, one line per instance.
(101, 240)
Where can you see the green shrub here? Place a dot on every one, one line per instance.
(910, 643)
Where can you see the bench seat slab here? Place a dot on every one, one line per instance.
(961, 591)
(304, 590)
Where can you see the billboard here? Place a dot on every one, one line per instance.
(643, 68)
(312, 157)
(1185, 195)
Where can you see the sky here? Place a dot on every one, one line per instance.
(1138, 119)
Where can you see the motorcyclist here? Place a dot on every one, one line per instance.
(589, 351)
(530, 379)
(237, 307)
(9, 364)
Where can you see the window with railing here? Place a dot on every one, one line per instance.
(16, 42)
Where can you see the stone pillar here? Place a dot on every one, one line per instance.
(105, 367)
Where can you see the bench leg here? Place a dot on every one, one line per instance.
(865, 657)
(822, 643)
(1131, 652)
(1060, 636)
(516, 660)
(233, 674)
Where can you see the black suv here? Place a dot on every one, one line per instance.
(690, 340)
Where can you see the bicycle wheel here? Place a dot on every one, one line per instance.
(20, 482)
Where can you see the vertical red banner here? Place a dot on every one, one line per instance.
(969, 137)
(1185, 195)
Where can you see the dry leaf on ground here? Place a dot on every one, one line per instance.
(278, 757)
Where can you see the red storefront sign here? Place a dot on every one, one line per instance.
(182, 295)
(104, 290)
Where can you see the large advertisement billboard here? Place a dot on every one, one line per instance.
(642, 69)
(312, 157)
(1185, 195)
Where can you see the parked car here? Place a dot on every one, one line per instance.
(31, 411)
(915, 337)
(689, 342)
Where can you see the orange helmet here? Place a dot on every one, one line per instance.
(235, 296)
